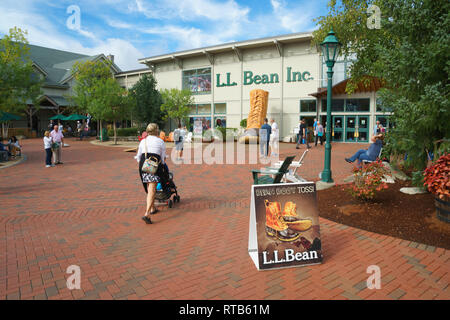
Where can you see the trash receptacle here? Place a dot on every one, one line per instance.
(104, 136)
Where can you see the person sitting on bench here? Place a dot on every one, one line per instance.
(370, 154)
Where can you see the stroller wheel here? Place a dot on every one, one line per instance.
(176, 199)
(170, 203)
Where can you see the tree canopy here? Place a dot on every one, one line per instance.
(410, 52)
(19, 81)
(147, 101)
(87, 75)
(176, 104)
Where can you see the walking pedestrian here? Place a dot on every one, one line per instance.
(48, 149)
(57, 145)
(178, 137)
(264, 138)
(79, 129)
(303, 134)
(274, 138)
(153, 148)
(319, 133)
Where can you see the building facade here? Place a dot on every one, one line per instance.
(54, 67)
(221, 78)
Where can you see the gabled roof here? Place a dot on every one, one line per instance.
(57, 65)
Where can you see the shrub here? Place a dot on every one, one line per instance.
(125, 132)
(368, 180)
(437, 177)
(243, 123)
(225, 131)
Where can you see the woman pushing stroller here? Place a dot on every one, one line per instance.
(152, 148)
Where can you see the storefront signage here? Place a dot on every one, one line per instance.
(284, 226)
(251, 78)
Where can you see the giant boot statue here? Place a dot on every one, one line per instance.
(258, 110)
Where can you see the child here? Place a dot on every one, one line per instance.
(48, 149)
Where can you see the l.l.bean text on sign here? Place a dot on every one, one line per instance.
(250, 78)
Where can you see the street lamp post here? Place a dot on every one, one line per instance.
(330, 50)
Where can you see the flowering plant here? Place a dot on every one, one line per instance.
(437, 177)
(368, 180)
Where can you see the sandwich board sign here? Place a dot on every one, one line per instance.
(284, 226)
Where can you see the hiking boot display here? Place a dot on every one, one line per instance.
(276, 227)
(292, 220)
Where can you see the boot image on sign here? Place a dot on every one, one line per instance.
(293, 221)
(275, 225)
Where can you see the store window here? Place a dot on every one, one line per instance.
(381, 107)
(203, 109)
(386, 121)
(308, 106)
(220, 108)
(205, 122)
(220, 122)
(340, 71)
(357, 105)
(337, 105)
(198, 81)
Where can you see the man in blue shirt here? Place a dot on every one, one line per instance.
(370, 154)
(264, 138)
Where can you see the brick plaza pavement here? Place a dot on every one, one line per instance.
(88, 211)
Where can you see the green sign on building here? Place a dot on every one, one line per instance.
(250, 78)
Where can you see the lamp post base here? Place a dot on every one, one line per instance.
(320, 185)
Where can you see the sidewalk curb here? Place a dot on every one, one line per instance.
(24, 158)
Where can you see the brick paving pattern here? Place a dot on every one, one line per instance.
(88, 211)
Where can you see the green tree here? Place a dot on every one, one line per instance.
(87, 74)
(89, 92)
(410, 53)
(110, 102)
(20, 84)
(147, 101)
(176, 104)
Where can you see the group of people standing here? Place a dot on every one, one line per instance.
(53, 144)
(302, 135)
(269, 137)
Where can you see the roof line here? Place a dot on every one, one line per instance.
(229, 44)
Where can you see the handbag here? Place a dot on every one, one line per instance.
(55, 145)
(151, 164)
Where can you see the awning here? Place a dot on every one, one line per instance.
(5, 116)
(76, 117)
(372, 84)
(59, 117)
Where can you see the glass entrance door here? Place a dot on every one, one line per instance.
(363, 128)
(357, 128)
(338, 128)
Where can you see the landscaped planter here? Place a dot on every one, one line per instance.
(442, 209)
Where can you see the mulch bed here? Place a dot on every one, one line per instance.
(393, 213)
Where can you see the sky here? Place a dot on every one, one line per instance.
(135, 29)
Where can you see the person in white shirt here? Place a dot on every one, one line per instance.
(178, 136)
(48, 140)
(58, 139)
(274, 138)
(154, 147)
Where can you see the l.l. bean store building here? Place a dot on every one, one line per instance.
(222, 76)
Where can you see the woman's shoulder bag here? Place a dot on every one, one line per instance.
(151, 164)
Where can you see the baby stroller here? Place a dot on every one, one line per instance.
(166, 188)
